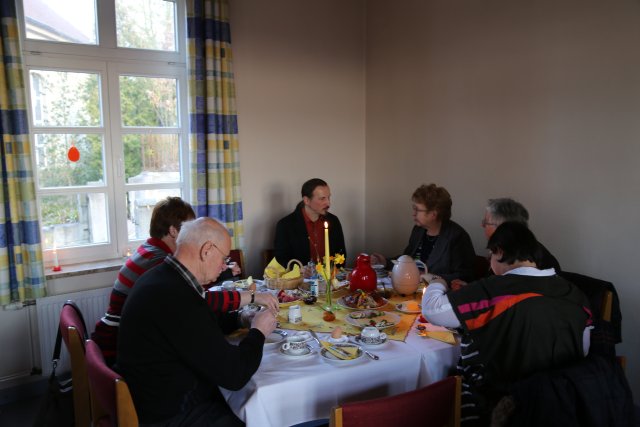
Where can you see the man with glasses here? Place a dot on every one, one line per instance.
(507, 210)
(172, 348)
(166, 220)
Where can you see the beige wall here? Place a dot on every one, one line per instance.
(299, 68)
(539, 101)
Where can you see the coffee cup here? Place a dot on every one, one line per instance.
(371, 335)
(295, 345)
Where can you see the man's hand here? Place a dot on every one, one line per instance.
(265, 321)
(268, 300)
(457, 284)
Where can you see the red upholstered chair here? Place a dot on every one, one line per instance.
(73, 331)
(437, 404)
(110, 398)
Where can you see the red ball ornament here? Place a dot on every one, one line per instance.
(73, 154)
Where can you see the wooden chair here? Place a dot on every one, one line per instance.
(74, 333)
(111, 400)
(237, 256)
(267, 256)
(437, 404)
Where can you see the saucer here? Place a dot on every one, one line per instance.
(329, 357)
(357, 339)
(402, 307)
(275, 338)
(307, 351)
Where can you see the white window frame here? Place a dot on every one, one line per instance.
(110, 62)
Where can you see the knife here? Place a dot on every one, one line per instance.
(330, 348)
(315, 337)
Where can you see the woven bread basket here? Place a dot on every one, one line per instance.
(279, 283)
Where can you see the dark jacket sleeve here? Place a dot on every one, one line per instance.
(283, 244)
(462, 259)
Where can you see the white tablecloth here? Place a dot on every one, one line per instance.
(287, 390)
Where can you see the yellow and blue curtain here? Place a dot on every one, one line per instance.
(215, 165)
(21, 269)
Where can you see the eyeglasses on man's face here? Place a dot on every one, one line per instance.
(486, 223)
(227, 258)
(415, 209)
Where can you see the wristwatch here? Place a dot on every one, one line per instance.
(253, 296)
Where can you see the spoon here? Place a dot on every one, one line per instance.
(371, 355)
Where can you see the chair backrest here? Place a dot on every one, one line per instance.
(237, 256)
(267, 256)
(605, 306)
(111, 400)
(437, 404)
(74, 333)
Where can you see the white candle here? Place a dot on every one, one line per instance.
(55, 258)
(327, 263)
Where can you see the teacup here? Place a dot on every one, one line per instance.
(371, 335)
(228, 285)
(295, 345)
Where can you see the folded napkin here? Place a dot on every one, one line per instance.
(351, 350)
(274, 269)
(439, 333)
(293, 274)
(440, 336)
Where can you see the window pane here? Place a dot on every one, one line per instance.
(148, 101)
(139, 208)
(151, 158)
(74, 220)
(56, 170)
(61, 98)
(61, 20)
(146, 24)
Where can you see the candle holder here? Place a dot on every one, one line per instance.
(56, 268)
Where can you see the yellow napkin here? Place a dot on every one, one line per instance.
(293, 274)
(439, 335)
(352, 350)
(274, 269)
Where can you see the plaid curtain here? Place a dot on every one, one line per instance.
(213, 139)
(21, 269)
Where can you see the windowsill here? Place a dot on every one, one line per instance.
(84, 268)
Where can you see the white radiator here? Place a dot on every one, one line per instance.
(92, 303)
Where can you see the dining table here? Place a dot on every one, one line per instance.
(287, 389)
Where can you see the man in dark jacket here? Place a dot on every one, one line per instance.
(300, 235)
(171, 347)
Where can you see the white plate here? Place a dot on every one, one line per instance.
(308, 350)
(356, 340)
(403, 308)
(275, 338)
(326, 355)
(392, 319)
(342, 303)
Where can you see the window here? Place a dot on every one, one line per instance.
(107, 82)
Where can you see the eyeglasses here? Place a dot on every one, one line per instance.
(227, 258)
(486, 223)
(416, 210)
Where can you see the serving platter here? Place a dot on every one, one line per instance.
(380, 321)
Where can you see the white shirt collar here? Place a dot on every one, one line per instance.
(531, 271)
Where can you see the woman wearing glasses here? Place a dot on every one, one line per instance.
(443, 245)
